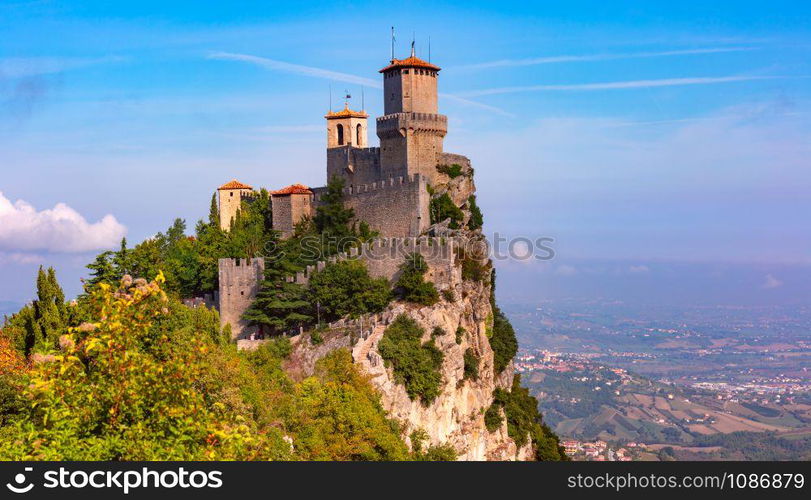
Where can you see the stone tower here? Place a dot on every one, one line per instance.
(230, 197)
(411, 130)
(346, 128)
(240, 280)
(290, 205)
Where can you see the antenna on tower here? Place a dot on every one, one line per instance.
(413, 40)
(392, 43)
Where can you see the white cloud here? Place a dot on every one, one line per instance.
(59, 229)
(21, 258)
(772, 282)
(21, 67)
(640, 269)
(326, 74)
(532, 61)
(630, 84)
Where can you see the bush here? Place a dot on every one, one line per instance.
(460, 332)
(476, 220)
(453, 171)
(438, 331)
(416, 365)
(524, 422)
(346, 289)
(443, 452)
(471, 364)
(449, 295)
(411, 285)
(503, 342)
(493, 418)
(442, 207)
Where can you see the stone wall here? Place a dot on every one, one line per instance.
(397, 207)
(239, 284)
(384, 256)
(410, 143)
(288, 210)
(230, 200)
(355, 165)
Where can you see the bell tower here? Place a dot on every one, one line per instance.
(411, 131)
(347, 128)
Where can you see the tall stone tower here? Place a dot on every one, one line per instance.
(411, 130)
(230, 197)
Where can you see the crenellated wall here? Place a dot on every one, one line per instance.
(397, 207)
(239, 284)
(384, 256)
(355, 165)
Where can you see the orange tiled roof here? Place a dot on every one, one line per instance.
(410, 62)
(234, 184)
(293, 189)
(346, 113)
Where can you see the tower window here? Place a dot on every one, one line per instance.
(340, 134)
(359, 130)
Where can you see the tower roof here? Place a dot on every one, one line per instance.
(234, 184)
(345, 113)
(292, 189)
(410, 62)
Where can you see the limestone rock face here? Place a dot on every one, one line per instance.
(456, 416)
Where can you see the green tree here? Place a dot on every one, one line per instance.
(279, 305)
(130, 386)
(332, 218)
(346, 289)
(476, 220)
(102, 270)
(411, 285)
(337, 416)
(442, 207)
(415, 365)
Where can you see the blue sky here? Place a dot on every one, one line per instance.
(629, 131)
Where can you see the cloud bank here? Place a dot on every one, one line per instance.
(60, 229)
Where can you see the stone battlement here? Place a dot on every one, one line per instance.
(393, 125)
(384, 256)
(239, 283)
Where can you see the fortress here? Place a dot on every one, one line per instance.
(386, 186)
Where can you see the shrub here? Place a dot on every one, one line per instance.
(493, 418)
(449, 295)
(316, 337)
(415, 365)
(442, 207)
(411, 285)
(346, 289)
(460, 332)
(434, 453)
(524, 422)
(471, 364)
(476, 220)
(453, 171)
(503, 342)
(438, 331)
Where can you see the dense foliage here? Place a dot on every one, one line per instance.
(411, 285)
(280, 305)
(346, 289)
(471, 364)
(453, 171)
(502, 335)
(524, 421)
(476, 218)
(416, 365)
(442, 207)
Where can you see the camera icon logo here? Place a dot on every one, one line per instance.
(19, 479)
